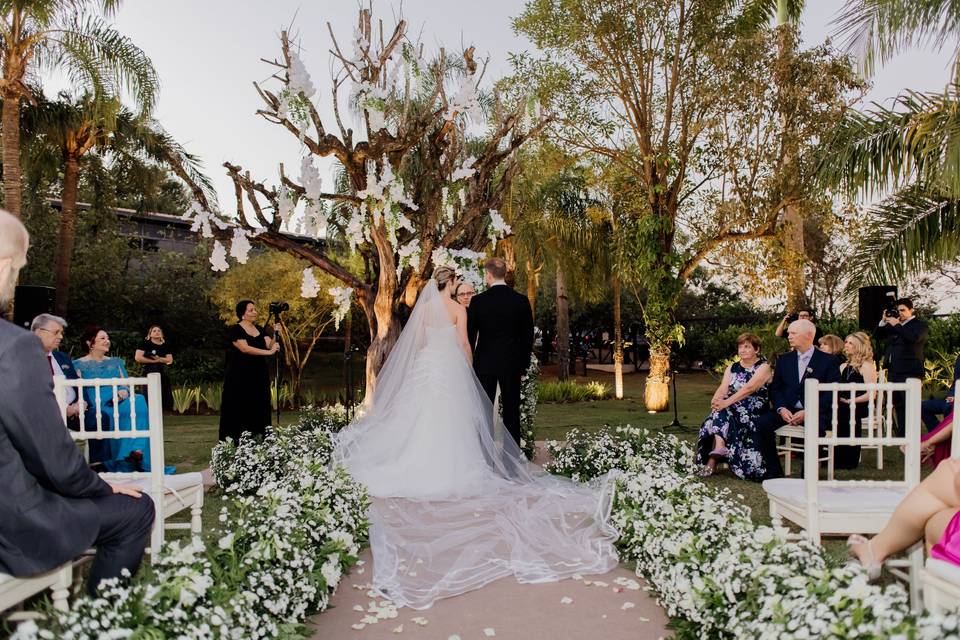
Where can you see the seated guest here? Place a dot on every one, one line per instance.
(791, 371)
(858, 368)
(935, 444)
(931, 409)
(831, 344)
(49, 328)
(730, 432)
(52, 507)
(125, 454)
(929, 512)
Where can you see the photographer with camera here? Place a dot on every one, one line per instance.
(246, 383)
(905, 336)
(805, 313)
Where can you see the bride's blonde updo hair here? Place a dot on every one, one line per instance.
(444, 276)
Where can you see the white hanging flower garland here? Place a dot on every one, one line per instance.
(309, 287)
(341, 303)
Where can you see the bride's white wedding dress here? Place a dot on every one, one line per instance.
(455, 504)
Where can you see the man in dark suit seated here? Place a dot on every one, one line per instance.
(804, 361)
(49, 328)
(906, 336)
(52, 507)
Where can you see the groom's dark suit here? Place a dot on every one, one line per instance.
(786, 392)
(500, 329)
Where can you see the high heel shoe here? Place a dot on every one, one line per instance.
(873, 567)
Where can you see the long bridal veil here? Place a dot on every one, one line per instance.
(455, 504)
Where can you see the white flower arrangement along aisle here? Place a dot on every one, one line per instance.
(293, 529)
(716, 573)
(296, 526)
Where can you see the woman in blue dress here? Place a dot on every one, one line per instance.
(116, 454)
(730, 433)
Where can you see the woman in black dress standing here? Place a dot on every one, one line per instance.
(156, 355)
(246, 382)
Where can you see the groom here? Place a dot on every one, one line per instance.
(500, 330)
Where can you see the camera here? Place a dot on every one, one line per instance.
(891, 312)
(277, 308)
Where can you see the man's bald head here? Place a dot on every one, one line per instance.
(800, 335)
(14, 241)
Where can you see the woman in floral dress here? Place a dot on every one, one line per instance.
(730, 433)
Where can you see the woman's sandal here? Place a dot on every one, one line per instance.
(873, 567)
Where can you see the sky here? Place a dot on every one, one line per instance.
(207, 53)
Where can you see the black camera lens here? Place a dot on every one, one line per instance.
(279, 307)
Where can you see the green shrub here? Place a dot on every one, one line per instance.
(183, 397)
(573, 391)
(213, 395)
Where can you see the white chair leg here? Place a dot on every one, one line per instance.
(916, 566)
(829, 462)
(61, 590)
(196, 513)
(880, 457)
(788, 454)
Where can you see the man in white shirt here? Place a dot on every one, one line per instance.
(49, 328)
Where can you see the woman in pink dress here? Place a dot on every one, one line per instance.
(929, 512)
(935, 444)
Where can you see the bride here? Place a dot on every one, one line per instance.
(455, 504)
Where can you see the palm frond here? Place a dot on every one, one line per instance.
(909, 233)
(758, 13)
(103, 61)
(876, 30)
(918, 139)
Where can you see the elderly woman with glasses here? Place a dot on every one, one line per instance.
(464, 293)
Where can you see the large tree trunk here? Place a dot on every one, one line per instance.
(12, 174)
(656, 393)
(68, 231)
(532, 277)
(794, 254)
(563, 326)
(617, 342)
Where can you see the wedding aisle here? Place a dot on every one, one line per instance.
(503, 609)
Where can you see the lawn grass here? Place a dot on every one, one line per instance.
(189, 439)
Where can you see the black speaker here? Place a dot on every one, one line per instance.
(871, 303)
(29, 302)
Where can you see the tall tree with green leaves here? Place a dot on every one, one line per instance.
(67, 36)
(646, 85)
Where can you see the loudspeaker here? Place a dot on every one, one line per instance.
(29, 302)
(871, 303)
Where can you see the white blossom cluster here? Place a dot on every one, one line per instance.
(341, 303)
(309, 287)
(465, 101)
(383, 198)
(719, 575)
(295, 98)
(498, 227)
(408, 255)
(466, 262)
(586, 455)
(240, 245)
(529, 392)
(315, 214)
(218, 257)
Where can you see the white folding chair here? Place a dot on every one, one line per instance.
(13, 591)
(879, 421)
(940, 580)
(171, 493)
(843, 507)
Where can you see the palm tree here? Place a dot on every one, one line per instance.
(910, 151)
(71, 130)
(63, 35)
